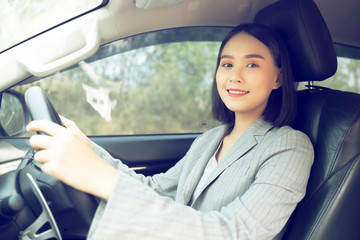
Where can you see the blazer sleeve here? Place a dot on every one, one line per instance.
(135, 211)
(164, 184)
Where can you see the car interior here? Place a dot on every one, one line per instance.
(331, 119)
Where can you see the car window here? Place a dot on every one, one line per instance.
(22, 19)
(152, 83)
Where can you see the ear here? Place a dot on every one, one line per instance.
(278, 82)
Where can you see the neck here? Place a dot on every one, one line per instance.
(242, 124)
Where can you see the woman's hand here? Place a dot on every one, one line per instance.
(69, 124)
(66, 154)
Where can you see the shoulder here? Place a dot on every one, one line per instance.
(285, 148)
(266, 134)
(287, 139)
(288, 134)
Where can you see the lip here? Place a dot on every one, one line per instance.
(236, 92)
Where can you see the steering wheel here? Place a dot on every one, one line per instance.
(73, 210)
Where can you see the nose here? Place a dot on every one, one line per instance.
(235, 80)
(236, 75)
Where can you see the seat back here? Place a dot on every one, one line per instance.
(331, 119)
(331, 207)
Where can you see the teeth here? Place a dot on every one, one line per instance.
(237, 92)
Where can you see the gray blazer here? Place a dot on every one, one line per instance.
(250, 195)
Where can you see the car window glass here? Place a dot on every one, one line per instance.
(347, 77)
(152, 83)
(22, 19)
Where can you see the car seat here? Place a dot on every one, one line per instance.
(331, 119)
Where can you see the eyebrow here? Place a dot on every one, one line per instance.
(246, 56)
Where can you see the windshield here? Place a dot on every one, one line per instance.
(22, 19)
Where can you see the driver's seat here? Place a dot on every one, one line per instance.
(331, 119)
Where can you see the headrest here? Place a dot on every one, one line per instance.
(304, 30)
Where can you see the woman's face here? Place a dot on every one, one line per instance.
(246, 75)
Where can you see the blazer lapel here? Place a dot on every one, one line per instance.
(244, 144)
(196, 172)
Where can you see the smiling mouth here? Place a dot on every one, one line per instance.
(237, 92)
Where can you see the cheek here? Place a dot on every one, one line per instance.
(268, 82)
(220, 78)
(220, 83)
(262, 88)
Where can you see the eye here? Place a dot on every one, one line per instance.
(227, 65)
(252, 65)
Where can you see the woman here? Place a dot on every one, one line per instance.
(241, 180)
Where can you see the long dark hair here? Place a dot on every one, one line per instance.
(281, 106)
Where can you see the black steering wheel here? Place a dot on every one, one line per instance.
(73, 210)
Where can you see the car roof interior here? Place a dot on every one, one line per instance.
(217, 13)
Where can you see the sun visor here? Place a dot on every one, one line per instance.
(149, 4)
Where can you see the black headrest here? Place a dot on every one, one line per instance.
(307, 37)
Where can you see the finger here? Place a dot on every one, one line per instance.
(45, 126)
(65, 121)
(42, 156)
(47, 168)
(68, 123)
(40, 141)
(71, 125)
